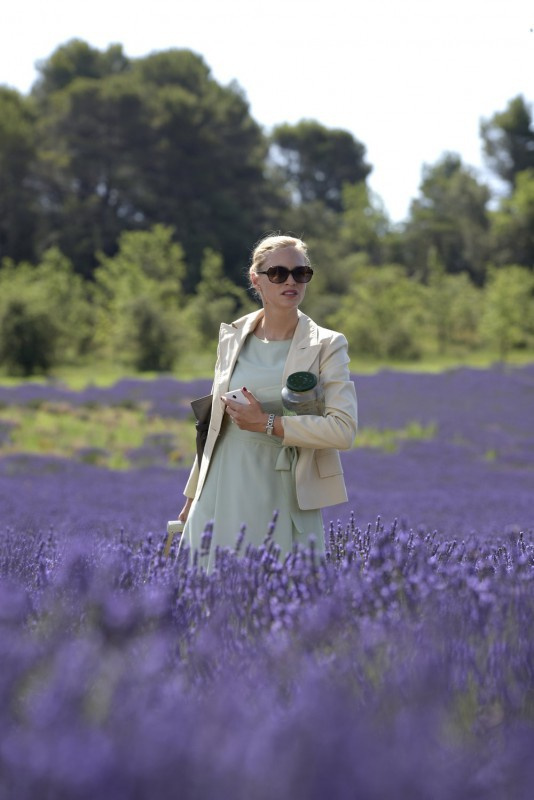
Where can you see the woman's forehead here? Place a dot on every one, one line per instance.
(286, 257)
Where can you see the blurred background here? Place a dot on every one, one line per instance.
(143, 154)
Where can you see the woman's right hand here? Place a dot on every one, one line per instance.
(184, 513)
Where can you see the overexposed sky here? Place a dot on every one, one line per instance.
(410, 79)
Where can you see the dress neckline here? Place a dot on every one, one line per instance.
(271, 341)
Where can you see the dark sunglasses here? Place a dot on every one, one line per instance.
(281, 274)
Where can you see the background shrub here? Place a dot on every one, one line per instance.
(28, 338)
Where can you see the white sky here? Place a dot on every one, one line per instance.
(410, 79)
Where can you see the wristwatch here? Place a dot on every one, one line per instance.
(270, 425)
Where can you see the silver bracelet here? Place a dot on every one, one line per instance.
(270, 425)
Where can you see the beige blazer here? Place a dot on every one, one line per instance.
(318, 474)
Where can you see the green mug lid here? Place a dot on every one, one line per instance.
(301, 381)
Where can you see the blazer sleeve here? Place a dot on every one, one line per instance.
(337, 428)
(192, 481)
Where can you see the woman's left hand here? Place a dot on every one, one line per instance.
(248, 417)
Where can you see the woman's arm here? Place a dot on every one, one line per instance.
(184, 513)
(192, 481)
(338, 427)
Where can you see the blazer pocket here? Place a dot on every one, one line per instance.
(328, 463)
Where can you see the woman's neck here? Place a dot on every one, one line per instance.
(276, 327)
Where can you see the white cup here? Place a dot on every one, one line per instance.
(175, 526)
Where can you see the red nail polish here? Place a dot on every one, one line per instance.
(245, 388)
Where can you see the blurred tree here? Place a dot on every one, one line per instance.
(384, 315)
(508, 140)
(157, 256)
(76, 59)
(450, 217)
(508, 316)
(217, 299)
(207, 172)
(67, 295)
(17, 154)
(137, 293)
(365, 224)
(94, 136)
(154, 341)
(454, 306)
(28, 338)
(126, 144)
(51, 300)
(513, 224)
(315, 162)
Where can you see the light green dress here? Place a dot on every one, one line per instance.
(251, 475)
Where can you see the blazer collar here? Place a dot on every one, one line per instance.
(302, 351)
(232, 336)
(306, 332)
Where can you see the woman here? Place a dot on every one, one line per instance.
(255, 459)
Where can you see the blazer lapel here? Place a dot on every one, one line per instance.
(231, 339)
(304, 348)
(303, 351)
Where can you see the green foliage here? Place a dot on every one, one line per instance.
(94, 136)
(127, 143)
(53, 301)
(155, 255)
(451, 217)
(384, 314)
(73, 60)
(154, 341)
(133, 189)
(205, 169)
(137, 295)
(316, 162)
(508, 139)
(28, 338)
(17, 154)
(513, 223)
(508, 317)
(454, 306)
(365, 224)
(216, 300)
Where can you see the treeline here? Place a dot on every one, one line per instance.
(131, 191)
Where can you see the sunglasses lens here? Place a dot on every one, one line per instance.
(281, 274)
(303, 274)
(277, 274)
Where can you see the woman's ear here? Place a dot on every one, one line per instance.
(255, 283)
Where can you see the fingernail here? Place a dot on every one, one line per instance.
(245, 389)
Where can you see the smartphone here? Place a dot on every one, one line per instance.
(237, 396)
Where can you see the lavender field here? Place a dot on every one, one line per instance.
(401, 666)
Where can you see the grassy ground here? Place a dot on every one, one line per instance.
(440, 363)
(121, 438)
(108, 436)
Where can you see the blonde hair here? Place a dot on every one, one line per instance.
(275, 242)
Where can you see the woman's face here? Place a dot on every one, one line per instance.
(285, 295)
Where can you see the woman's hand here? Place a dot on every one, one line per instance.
(248, 417)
